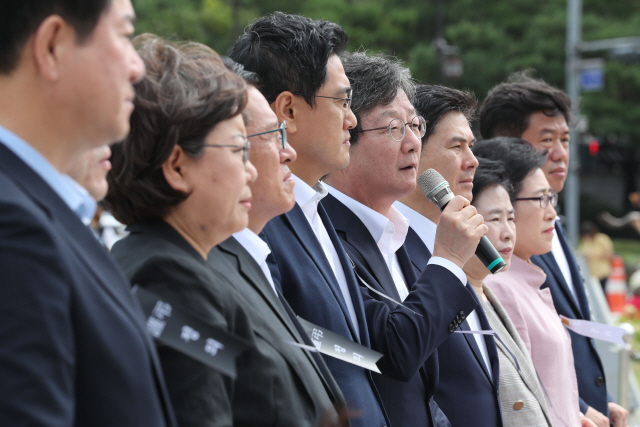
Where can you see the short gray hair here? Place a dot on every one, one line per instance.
(375, 79)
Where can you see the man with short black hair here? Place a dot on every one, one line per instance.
(424, 309)
(468, 362)
(74, 350)
(302, 78)
(531, 109)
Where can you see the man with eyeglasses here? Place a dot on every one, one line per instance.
(313, 393)
(539, 113)
(294, 55)
(468, 362)
(407, 316)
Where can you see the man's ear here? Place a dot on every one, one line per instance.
(287, 107)
(52, 43)
(174, 170)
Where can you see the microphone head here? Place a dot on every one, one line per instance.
(435, 187)
(429, 180)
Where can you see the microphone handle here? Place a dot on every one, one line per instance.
(487, 254)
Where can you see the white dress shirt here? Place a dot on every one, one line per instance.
(426, 230)
(258, 250)
(389, 232)
(308, 198)
(561, 259)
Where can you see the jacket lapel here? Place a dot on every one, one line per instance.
(528, 376)
(301, 228)
(576, 276)
(548, 262)
(472, 341)
(254, 276)
(420, 254)
(357, 235)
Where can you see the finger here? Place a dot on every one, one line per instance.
(456, 204)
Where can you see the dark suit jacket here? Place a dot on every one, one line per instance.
(303, 273)
(275, 384)
(408, 341)
(465, 393)
(591, 381)
(74, 350)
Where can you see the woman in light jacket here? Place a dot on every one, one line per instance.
(522, 400)
(531, 308)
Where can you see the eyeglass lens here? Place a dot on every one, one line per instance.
(397, 128)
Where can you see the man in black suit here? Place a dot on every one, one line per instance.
(74, 350)
(467, 363)
(246, 253)
(539, 113)
(385, 149)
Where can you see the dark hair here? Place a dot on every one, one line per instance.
(375, 80)
(490, 173)
(248, 76)
(289, 53)
(508, 106)
(518, 157)
(185, 93)
(21, 18)
(433, 101)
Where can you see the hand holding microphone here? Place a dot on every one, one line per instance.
(460, 229)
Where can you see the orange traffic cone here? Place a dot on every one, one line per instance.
(616, 288)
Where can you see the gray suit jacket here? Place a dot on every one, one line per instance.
(516, 385)
(273, 387)
(276, 320)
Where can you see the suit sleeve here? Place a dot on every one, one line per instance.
(37, 352)
(407, 336)
(200, 395)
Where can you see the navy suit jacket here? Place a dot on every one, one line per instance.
(466, 393)
(301, 270)
(408, 341)
(74, 350)
(591, 381)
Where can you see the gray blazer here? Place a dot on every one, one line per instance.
(522, 400)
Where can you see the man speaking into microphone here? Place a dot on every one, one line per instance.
(468, 362)
(408, 315)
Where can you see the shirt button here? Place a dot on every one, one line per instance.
(599, 381)
(452, 328)
(518, 405)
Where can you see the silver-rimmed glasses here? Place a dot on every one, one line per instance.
(283, 133)
(397, 127)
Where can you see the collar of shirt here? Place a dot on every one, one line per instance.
(561, 259)
(308, 197)
(388, 232)
(424, 228)
(41, 166)
(80, 201)
(256, 247)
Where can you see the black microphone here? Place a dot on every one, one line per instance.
(437, 190)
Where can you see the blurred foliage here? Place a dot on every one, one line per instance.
(496, 38)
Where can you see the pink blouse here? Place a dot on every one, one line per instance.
(532, 311)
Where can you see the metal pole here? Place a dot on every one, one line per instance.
(625, 360)
(572, 185)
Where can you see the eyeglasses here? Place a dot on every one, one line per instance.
(245, 147)
(545, 199)
(397, 128)
(283, 133)
(347, 100)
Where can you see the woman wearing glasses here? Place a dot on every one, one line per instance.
(530, 308)
(181, 182)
